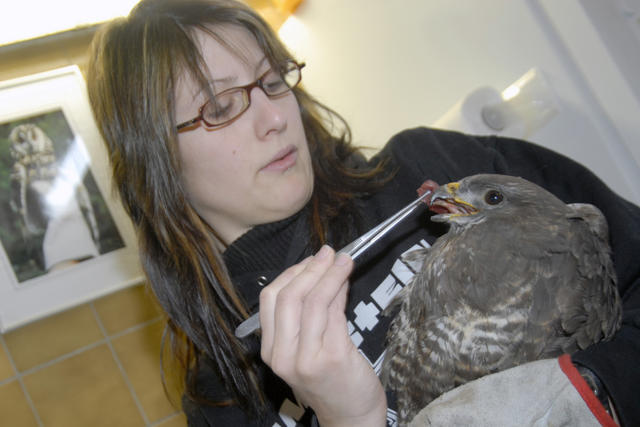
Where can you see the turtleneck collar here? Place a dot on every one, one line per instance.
(268, 247)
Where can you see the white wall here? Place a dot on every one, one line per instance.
(387, 65)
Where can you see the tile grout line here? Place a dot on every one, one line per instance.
(79, 350)
(62, 358)
(136, 327)
(123, 372)
(164, 419)
(18, 377)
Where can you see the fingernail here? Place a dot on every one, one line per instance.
(324, 252)
(342, 259)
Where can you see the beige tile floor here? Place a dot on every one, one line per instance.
(93, 365)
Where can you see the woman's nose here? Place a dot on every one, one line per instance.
(269, 114)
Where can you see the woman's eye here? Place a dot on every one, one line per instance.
(493, 197)
(274, 84)
(220, 109)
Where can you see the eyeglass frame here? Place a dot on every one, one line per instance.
(247, 89)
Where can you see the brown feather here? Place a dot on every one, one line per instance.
(527, 278)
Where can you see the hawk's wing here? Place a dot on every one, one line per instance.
(598, 313)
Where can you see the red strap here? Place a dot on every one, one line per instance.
(585, 391)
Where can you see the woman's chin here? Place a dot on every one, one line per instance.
(288, 203)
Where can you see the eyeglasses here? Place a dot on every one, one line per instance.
(228, 105)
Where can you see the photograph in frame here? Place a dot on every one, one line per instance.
(64, 237)
(49, 197)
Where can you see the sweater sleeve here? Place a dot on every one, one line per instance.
(449, 156)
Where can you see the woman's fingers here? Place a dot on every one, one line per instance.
(322, 306)
(268, 298)
(306, 343)
(280, 302)
(296, 307)
(291, 309)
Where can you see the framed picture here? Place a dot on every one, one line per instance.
(64, 238)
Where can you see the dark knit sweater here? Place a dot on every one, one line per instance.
(261, 254)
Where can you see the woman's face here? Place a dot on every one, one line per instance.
(255, 170)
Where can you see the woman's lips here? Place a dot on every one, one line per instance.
(283, 160)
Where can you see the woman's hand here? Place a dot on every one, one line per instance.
(305, 341)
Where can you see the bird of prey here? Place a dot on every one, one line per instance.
(519, 276)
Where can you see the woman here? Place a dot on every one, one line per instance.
(234, 177)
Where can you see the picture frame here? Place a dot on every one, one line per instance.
(64, 237)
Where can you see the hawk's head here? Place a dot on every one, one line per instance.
(476, 198)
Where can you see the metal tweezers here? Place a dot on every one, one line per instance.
(353, 249)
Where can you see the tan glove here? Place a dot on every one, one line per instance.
(547, 392)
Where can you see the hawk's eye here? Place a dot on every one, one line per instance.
(493, 197)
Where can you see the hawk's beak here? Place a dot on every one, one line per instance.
(444, 201)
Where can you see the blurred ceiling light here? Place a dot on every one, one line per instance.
(28, 19)
(295, 35)
(275, 12)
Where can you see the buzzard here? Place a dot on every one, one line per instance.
(519, 276)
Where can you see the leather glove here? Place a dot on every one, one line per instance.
(548, 392)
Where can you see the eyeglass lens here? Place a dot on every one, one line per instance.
(229, 104)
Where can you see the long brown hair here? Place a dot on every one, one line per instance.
(133, 72)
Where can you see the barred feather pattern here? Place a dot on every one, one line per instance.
(529, 279)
